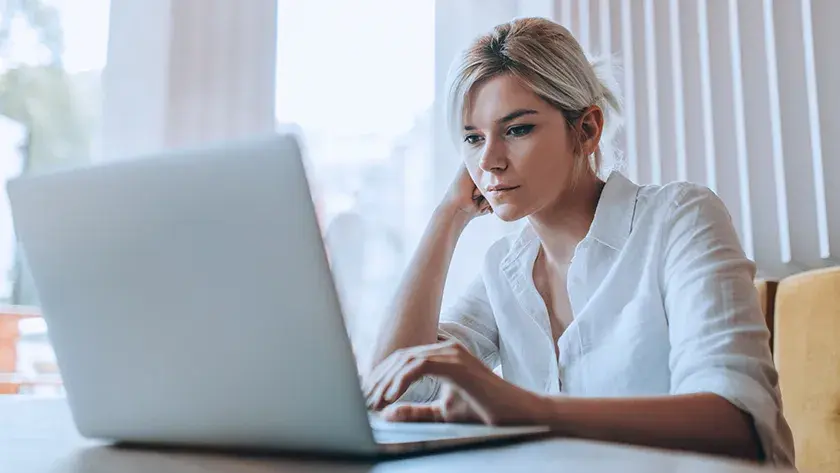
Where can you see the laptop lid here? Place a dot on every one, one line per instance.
(189, 300)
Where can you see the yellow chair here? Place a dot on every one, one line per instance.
(807, 356)
(767, 298)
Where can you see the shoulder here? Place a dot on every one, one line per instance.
(675, 194)
(692, 225)
(673, 201)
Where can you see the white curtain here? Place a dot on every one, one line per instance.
(187, 72)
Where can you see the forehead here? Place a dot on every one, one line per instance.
(496, 97)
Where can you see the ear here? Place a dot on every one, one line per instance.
(589, 127)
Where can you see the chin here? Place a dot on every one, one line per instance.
(509, 213)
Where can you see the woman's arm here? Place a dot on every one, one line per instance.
(415, 310)
(701, 422)
(705, 423)
(414, 314)
(719, 339)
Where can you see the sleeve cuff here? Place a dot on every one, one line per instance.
(424, 391)
(746, 394)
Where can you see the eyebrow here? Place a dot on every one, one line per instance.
(509, 117)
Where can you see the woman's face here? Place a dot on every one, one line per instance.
(518, 148)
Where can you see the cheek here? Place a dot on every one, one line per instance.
(543, 159)
(546, 168)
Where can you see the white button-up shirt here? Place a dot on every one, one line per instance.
(663, 301)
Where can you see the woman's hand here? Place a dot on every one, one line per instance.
(471, 392)
(452, 406)
(464, 196)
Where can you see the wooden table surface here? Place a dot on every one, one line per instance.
(38, 436)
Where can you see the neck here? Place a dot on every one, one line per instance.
(563, 224)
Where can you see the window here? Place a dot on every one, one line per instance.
(361, 81)
(52, 53)
(358, 79)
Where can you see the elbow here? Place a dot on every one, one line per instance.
(742, 440)
(751, 448)
(747, 449)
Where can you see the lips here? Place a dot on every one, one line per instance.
(501, 188)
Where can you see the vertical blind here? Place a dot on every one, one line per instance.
(738, 95)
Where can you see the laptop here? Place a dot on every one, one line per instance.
(190, 303)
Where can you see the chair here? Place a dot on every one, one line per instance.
(767, 298)
(807, 356)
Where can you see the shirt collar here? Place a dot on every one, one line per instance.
(614, 214)
(613, 220)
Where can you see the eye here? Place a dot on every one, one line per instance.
(519, 130)
(472, 139)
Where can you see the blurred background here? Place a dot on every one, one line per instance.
(738, 95)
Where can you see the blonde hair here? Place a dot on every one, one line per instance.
(546, 58)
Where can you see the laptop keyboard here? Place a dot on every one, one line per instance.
(399, 432)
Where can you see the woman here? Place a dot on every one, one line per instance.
(621, 312)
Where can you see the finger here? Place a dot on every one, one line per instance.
(374, 397)
(375, 376)
(401, 380)
(443, 365)
(387, 365)
(476, 194)
(484, 206)
(413, 413)
(386, 393)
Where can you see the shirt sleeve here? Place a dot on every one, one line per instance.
(470, 321)
(719, 337)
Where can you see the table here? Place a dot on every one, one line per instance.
(38, 436)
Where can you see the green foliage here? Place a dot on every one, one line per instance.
(59, 111)
(56, 110)
(41, 17)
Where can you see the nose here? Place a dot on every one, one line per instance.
(493, 158)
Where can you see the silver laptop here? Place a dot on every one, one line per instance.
(190, 303)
